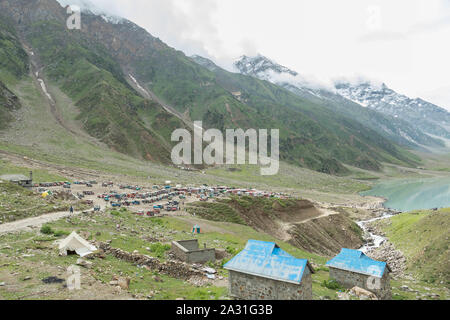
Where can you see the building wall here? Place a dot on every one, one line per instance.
(201, 256)
(350, 279)
(190, 245)
(244, 286)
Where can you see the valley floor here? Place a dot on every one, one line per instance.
(28, 258)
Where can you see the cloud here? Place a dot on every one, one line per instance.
(408, 50)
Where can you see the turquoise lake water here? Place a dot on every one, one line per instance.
(414, 194)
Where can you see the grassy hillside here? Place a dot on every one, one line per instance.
(335, 135)
(311, 136)
(109, 107)
(423, 237)
(92, 68)
(13, 65)
(8, 102)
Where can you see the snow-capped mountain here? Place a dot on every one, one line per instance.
(415, 118)
(262, 68)
(265, 69)
(427, 116)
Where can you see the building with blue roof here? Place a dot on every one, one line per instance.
(352, 268)
(263, 271)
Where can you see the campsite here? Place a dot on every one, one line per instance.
(123, 254)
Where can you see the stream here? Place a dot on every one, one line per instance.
(375, 241)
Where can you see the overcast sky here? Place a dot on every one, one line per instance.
(404, 43)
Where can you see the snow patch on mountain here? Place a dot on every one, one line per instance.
(264, 68)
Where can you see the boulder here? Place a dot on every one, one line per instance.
(124, 283)
(84, 263)
(363, 293)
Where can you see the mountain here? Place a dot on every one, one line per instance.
(334, 134)
(110, 110)
(426, 116)
(8, 102)
(394, 116)
(14, 61)
(129, 90)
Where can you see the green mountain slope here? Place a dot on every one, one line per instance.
(8, 102)
(110, 109)
(423, 237)
(13, 65)
(95, 66)
(311, 136)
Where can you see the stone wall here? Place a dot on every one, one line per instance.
(350, 279)
(189, 252)
(244, 286)
(171, 268)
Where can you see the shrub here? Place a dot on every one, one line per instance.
(115, 213)
(332, 284)
(46, 229)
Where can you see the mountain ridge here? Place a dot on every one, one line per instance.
(94, 67)
(266, 69)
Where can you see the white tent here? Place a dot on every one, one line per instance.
(76, 243)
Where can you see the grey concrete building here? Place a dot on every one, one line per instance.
(263, 271)
(189, 251)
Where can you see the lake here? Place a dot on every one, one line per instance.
(413, 194)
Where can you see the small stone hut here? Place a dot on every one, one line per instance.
(21, 180)
(189, 251)
(263, 271)
(352, 268)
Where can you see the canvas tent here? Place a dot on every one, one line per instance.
(75, 243)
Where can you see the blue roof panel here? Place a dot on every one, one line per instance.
(266, 259)
(357, 261)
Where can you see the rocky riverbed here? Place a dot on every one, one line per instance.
(378, 246)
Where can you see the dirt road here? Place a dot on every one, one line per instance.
(34, 222)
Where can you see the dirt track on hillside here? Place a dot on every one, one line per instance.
(34, 222)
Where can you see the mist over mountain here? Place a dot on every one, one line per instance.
(419, 118)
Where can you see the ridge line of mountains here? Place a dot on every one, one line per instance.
(131, 90)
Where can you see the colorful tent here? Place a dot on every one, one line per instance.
(196, 229)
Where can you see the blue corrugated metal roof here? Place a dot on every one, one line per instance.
(266, 259)
(357, 261)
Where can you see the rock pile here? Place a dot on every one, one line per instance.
(394, 258)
